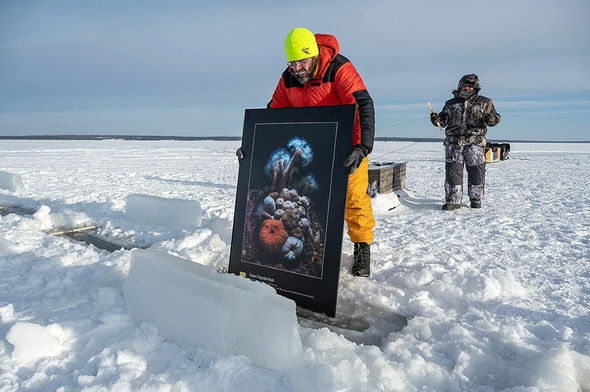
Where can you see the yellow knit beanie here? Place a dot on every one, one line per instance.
(300, 44)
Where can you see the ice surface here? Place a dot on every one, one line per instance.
(194, 305)
(159, 211)
(498, 298)
(11, 181)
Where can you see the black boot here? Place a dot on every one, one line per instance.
(450, 207)
(362, 259)
(475, 203)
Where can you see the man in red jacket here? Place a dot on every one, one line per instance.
(317, 75)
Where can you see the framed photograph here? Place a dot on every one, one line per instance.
(289, 214)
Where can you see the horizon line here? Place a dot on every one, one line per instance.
(236, 138)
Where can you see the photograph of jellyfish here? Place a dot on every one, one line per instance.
(288, 221)
(288, 197)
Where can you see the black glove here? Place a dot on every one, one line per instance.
(489, 119)
(435, 119)
(353, 161)
(240, 153)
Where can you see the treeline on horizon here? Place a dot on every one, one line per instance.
(237, 138)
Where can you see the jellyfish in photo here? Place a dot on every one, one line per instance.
(277, 162)
(298, 143)
(280, 166)
(308, 185)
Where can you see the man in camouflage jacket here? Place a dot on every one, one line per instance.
(465, 119)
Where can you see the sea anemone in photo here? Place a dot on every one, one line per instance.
(278, 213)
(290, 219)
(272, 235)
(292, 248)
(269, 205)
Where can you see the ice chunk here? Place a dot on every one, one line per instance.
(10, 181)
(216, 244)
(194, 305)
(385, 202)
(159, 211)
(43, 217)
(6, 313)
(32, 341)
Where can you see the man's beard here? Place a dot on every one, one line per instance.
(303, 76)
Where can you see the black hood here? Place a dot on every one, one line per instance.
(470, 79)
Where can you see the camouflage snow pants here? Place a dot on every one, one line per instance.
(473, 157)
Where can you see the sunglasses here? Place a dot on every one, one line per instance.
(297, 63)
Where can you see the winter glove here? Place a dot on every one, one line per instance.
(240, 153)
(489, 119)
(439, 120)
(435, 119)
(353, 161)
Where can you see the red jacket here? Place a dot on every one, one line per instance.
(336, 83)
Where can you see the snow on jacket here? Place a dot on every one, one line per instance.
(336, 82)
(463, 119)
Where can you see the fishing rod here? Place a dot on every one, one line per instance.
(403, 123)
(412, 144)
(431, 112)
(403, 148)
(488, 110)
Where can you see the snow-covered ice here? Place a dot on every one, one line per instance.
(11, 182)
(498, 299)
(154, 210)
(194, 305)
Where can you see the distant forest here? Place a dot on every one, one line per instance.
(237, 138)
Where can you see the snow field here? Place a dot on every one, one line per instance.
(499, 298)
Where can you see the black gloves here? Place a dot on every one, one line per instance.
(435, 119)
(489, 119)
(439, 120)
(240, 153)
(353, 161)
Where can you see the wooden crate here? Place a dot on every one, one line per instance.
(496, 152)
(386, 177)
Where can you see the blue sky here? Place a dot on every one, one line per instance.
(192, 67)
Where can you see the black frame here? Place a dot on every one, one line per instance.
(329, 130)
